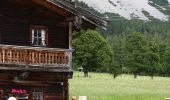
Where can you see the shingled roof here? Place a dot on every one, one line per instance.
(82, 13)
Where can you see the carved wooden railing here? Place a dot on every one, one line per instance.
(34, 56)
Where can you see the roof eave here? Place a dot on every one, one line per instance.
(82, 13)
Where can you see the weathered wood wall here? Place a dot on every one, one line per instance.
(15, 22)
(51, 91)
(16, 18)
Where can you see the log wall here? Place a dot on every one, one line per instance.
(16, 18)
(15, 23)
(57, 90)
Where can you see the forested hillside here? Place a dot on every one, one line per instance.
(139, 46)
(119, 24)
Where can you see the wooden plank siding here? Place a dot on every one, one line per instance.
(35, 68)
(53, 85)
(15, 23)
(34, 77)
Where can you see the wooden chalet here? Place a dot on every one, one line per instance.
(35, 47)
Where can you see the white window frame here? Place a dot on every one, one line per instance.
(40, 37)
(37, 96)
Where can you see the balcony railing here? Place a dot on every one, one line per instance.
(34, 56)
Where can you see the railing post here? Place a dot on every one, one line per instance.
(46, 59)
(28, 56)
(3, 53)
(43, 57)
(17, 58)
(33, 57)
(25, 56)
(36, 57)
(10, 53)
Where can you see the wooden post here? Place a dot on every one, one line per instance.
(42, 59)
(66, 89)
(52, 59)
(25, 57)
(70, 43)
(3, 54)
(10, 52)
(70, 34)
(49, 57)
(33, 57)
(46, 59)
(17, 50)
(36, 57)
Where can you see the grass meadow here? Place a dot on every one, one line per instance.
(102, 86)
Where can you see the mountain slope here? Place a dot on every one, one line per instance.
(130, 9)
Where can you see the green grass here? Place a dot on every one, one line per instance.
(104, 87)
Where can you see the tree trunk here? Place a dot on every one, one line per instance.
(135, 76)
(152, 77)
(115, 75)
(86, 74)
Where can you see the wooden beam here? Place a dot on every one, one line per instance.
(70, 34)
(30, 83)
(71, 18)
(70, 43)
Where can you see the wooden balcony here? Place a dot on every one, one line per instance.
(34, 58)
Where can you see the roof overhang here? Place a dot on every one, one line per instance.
(77, 11)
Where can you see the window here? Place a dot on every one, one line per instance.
(38, 36)
(37, 96)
